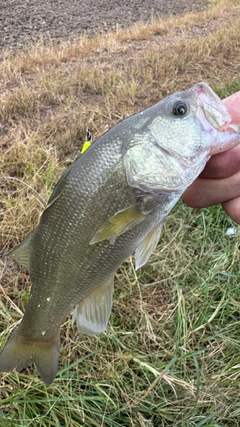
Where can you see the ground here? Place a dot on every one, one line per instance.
(23, 21)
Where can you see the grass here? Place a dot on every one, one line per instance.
(170, 356)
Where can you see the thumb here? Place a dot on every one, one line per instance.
(233, 105)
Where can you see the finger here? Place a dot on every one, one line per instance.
(207, 192)
(232, 208)
(233, 105)
(223, 165)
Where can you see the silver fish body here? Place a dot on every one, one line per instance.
(110, 203)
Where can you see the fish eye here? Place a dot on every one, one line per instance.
(179, 108)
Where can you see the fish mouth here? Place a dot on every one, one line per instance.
(215, 112)
(215, 119)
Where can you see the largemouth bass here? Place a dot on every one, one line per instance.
(107, 205)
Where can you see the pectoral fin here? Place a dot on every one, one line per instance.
(147, 246)
(21, 253)
(92, 313)
(118, 224)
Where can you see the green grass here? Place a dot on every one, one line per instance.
(170, 355)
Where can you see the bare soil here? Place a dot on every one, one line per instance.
(25, 21)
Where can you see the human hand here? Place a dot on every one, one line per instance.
(220, 180)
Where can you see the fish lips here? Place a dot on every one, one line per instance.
(215, 112)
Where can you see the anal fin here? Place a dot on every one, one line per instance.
(147, 246)
(93, 312)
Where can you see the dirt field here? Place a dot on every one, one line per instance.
(23, 21)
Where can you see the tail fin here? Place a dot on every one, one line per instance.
(19, 352)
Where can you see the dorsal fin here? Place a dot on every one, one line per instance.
(22, 252)
(59, 187)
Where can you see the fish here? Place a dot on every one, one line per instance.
(110, 203)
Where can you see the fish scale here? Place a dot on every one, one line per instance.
(107, 205)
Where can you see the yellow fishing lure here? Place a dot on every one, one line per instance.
(88, 141)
